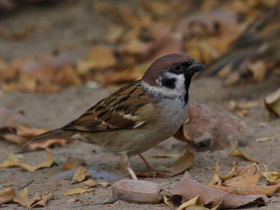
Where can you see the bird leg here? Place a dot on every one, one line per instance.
(125, 164)
(153, 170)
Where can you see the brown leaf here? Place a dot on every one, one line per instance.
(99, 57)
(13, 161)
(251, 190)
(239, 153)
(23, 198)
(73, 162)
(103, 184)
(90, 183)
(47, 143)
(271, 175)
(7, 195)
(272, 102)
(245, 177)
(80, 175)
(263, 139)
(77, 191)
(43, 202)
(226, 177)
(180, 165)
(258, 69)
(189, 188)
(195, 203)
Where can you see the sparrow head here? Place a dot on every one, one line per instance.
(172, 73)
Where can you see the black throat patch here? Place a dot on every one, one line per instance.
(168, 82)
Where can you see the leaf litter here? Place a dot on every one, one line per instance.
(13, 161)
(36, 201)
(188, 188)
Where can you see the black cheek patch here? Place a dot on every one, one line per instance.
(169, 82)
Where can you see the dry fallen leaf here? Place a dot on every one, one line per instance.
(103, 184)
(239, 153)
(43, 202)
(99, 57)
(271, 175)
(77, 191)
(226, 177)
(73, 162)
(263, 139)
(244, 183)
(23, 198)
(272, 102)
(80, 175)
(189, 188)
(180, 165)
(90, 183)
(13, 161)
(195, 204)
(7, 195)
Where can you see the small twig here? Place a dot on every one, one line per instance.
(26, 185)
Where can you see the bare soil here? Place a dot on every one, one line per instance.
(55, 110)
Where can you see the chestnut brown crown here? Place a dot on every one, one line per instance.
(166, 63)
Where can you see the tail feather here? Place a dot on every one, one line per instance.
(215, 67)
(53, 134)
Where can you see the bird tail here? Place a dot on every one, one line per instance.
(215, 67)
(53, 134)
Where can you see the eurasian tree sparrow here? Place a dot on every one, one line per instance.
(138, 116)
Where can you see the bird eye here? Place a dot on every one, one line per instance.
(177, 67)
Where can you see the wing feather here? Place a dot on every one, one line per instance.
(127, 108)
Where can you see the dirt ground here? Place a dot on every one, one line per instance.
(54, 110)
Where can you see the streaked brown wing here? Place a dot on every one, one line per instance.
(127, 108)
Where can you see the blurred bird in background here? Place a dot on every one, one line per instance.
(259, 41)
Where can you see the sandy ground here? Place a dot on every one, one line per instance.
(54, 110)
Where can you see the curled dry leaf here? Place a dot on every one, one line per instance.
(177, 167)
(180, 165)
(244, 183)
(271, 175)
(189, 188)
(78, 190)
(43, 202)
(204, 124)
(239, 153)
(13, 161)
(195, 203)
(23, 198)
(73, 162)
(7, 195)
(226, 177)
(80, 175)
(138, 191)
(272, 102)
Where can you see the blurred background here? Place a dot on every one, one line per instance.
(47, 45)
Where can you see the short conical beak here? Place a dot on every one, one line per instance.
(196, 67)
